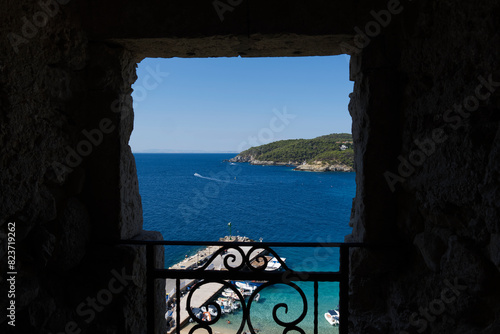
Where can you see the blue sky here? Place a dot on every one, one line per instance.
(231, 104)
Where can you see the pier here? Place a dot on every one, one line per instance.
(202, 296)
(209, 291)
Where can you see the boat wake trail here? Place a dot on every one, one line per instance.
(210, 178)
(223, 179)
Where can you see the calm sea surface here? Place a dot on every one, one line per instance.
(195, 196)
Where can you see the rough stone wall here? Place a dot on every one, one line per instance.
(68, 178)
(427, 160)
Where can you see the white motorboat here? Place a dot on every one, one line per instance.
(212, 310)
(235, 305)
(226, 304)
(229, 293)
(333, 317)
(245, 288)
(246, 293)
(274, 264)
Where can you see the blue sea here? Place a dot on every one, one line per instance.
(195, 196)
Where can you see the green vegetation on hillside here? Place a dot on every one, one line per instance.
(345, 157)
(335, 148)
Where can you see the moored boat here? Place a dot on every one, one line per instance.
(245, 288)
(274, 264)
(212, 310)
(229, 293)
(250, 283)
(333, 317)
(226, 304)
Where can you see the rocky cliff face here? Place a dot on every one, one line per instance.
(273, 163)
(242, 158)
(316, 166)
(319, 166)
(251, 159)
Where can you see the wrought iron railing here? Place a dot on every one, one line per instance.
(247, 268)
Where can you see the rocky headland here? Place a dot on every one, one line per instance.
(331, 153)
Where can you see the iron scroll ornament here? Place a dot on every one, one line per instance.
(246, 309)
(231, 263)
(289, 326)
(206, 324)
(229, 259)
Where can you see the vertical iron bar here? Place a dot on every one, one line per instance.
(150, 288)
(344, 290)
(315, 307)
(178, 305)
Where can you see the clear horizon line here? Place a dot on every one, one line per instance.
(182, 151)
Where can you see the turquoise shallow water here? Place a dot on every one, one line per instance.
(261, 313)
(194, 196)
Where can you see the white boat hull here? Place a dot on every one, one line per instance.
(333, 319)
(274, 264)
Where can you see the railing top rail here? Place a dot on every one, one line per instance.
(233, 243)
(253, 243)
